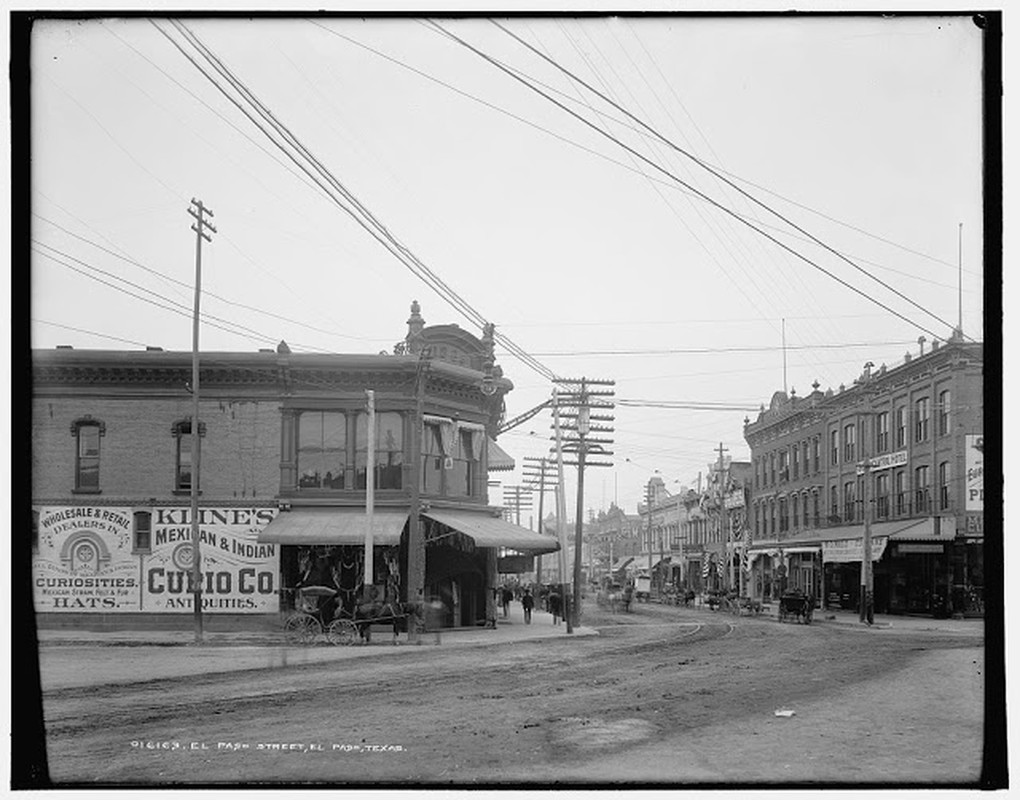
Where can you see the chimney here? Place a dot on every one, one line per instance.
(921, 340)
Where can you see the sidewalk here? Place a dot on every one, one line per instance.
(81, 658)
(973, 626)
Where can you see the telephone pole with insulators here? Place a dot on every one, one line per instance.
(199, 226)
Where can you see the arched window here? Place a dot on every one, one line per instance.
(87, 433)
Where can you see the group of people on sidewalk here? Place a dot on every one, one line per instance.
(547, 597)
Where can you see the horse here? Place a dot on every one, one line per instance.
(381, 612)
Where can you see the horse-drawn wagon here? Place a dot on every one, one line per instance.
(798, 605)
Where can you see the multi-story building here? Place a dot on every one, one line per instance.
(713, 527)
(283, 477)
(901, 446)
(615, 538)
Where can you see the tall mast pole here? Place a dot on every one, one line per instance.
(199, 227)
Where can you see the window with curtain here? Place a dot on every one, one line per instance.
(432, 458)
(322, 449)
(389, 450)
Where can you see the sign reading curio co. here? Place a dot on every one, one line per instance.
(87, 561)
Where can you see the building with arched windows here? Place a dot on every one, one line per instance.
(282, 481)
(903, 446)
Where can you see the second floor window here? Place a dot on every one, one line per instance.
(849, 442)
(142, 532)
(921, 425)
(882, 495)
(795, 462)
(900, 491)
(466, 457)
(86, 471)
(922, 491)
(944, 478)
(818, 453)
(817, 514)
(882, 432)
(833, 504)
(784, 522)
(784, 468)
(848, 502)
(389, 450)
(943, 412)
(183, 462)
(322, 449)
(795, 500)
(772, 468)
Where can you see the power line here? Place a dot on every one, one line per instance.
(707, 350)
(707, 167)
(366, 219)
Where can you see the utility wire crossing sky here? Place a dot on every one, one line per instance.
(705, 210)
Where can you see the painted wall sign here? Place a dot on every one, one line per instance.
(239, 575)
(975, 480)
(843, 551)
(84, 562)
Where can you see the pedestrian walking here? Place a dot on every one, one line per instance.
(555, 606)
(434, 613)
(528, 603)
(505, 597)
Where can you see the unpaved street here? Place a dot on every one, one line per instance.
(663, 694)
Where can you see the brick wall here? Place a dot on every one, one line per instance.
(240, 451)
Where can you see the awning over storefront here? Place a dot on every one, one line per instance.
(490, 531)
(499, 459)
(622, 562)
(333, 526)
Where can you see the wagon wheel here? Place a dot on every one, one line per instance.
(342, 631)
(302, 628)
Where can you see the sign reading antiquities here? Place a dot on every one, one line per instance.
(239, 575)
(87, 561)
(83, 561)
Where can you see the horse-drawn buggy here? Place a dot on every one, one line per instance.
(798, 605)
(322, 611)
(615, 596)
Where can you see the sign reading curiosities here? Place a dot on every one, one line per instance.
(87, 559)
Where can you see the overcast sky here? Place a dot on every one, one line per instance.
(864, 132)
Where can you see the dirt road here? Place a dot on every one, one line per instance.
(662, 695)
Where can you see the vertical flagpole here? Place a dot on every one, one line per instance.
(959, 266)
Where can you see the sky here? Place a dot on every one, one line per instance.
(668, 262)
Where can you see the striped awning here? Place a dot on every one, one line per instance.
(489, 531)
(333, 526)
(499, 460)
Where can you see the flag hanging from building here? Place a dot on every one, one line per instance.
(704, 566)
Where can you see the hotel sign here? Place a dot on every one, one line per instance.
(885, 461)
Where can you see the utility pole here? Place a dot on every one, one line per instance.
(648, 508)
(539, 469)
(198, 211)
(369, 579)
(561, 511)
(722, 516)
(515, 498)
(867, 602)
(580, 442)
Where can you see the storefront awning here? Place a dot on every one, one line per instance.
(622, 562)
(490, 531)
(499, 459)
(333, 526)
